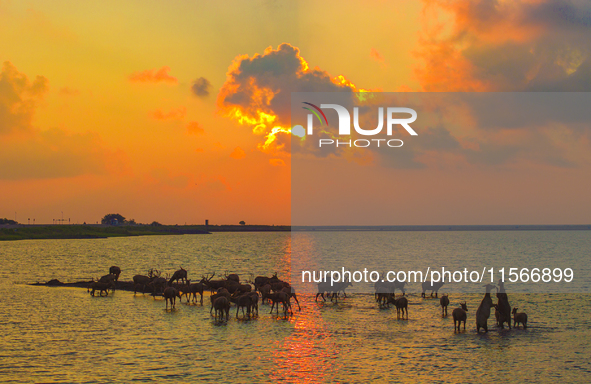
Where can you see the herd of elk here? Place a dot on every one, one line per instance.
(230, 290)
(223, 291)
(385, 295)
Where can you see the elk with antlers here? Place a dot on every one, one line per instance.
(197, 288)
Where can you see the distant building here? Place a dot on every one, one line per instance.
(206, 223)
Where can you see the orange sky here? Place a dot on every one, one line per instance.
(131, 107)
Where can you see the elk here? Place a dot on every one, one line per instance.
(483, 311)
(519, 317)
(232, 276)
(244, 301)
(184, 289)
(114, 270)
(232, 286)
(180, 274)
(323, 287)
(194, 289)
(385, 290)
(291, 293)
(444, 302)
(401, 305)
(265, 290)
(280, 297)
(197, 288)
(331, 288)
(143, 281)
(503, 308)
(254, 296)
(338, 287)
(101, 286)
(170, 294)
(433, 287)
(158, 285)
(385, 286)
(221, 305)
(459, 315)
(244, 288)
(221, 292)
(260, 281)
(107, 278)
(140, 280)
(214, 285)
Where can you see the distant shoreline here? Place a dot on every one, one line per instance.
(431, 228)
(99, 231)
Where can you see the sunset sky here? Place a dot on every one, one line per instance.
(171, 111)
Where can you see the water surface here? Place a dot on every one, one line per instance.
(65, 335)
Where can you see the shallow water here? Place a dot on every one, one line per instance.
(65, 335)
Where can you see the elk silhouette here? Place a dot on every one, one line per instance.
(180, 274)
(116, 271)
(460, 315)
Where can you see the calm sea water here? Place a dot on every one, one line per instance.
(65, 335)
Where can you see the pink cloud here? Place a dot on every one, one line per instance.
(238, 153)
(173, 114)
(374, 54)
(277, 162)
(153, 76)
(194, 128)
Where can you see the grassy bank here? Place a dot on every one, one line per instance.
(24, 232)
